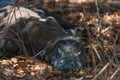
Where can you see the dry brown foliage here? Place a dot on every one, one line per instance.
(102, 23)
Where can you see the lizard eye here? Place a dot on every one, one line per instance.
(61, 63)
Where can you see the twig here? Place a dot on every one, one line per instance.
(94, 62)
(100, 72)
(106, 29)
(98, 15)
(96, 52)
(113, 75)
(116, 38)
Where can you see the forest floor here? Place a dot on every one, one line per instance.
(101, 20)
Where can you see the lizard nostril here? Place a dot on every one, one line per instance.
(72, 65)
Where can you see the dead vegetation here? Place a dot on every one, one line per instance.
(102, 22)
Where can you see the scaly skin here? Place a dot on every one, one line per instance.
(68, 55)
(36, 33)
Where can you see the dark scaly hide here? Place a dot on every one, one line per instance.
(44, 38)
